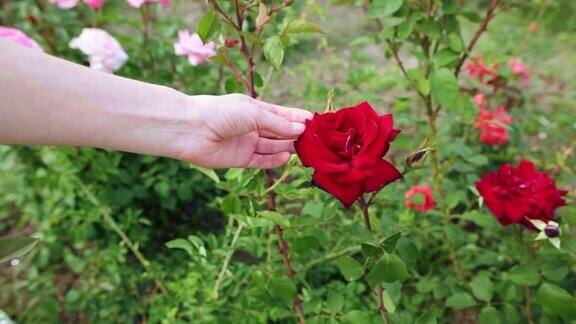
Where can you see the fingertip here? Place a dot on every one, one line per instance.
(298, 128)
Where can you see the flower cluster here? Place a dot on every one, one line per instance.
(493, 123)
(346, 150)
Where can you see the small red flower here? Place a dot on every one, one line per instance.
(492, 125)
(426, 192)
(346, 150)
(515, 194)
(231, 42)
(479, 70)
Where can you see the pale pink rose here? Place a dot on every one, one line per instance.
(19, 37)
(94, 4)
(139, 3)
(479, 100)
(192, 46)
(104, 52)
(520, 69)
(65, 4)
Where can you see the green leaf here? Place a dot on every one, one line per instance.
(274, 51)
(390, 242)
(430, 317)
(383, 8)
(180, 243)
(210, 173)
(349, 267)
(444, 57)
(302, 26)
(455, 42)
(305, 243)
(14, 247)
(335, 301)
(404, 30)
(388, 303)
(489, 315)
(524, 276)
(209, 26)
(389, 268)
(556, 301)
(482, 287)
(282, 289)
(356, 316)
(275, 217)
(460, 301)
(445, 92)
(370, 250)
(232, 85)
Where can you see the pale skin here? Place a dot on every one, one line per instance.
(49, 101)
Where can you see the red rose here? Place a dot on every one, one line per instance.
(346, 148)
(426, 192)
(515, 193)
(492, 125)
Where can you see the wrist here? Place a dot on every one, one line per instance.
(151, 123)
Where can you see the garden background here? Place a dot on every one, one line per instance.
(126, 238)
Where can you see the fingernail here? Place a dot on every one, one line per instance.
(298, 127)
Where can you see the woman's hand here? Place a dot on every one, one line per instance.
(42, 102)
(237, 131)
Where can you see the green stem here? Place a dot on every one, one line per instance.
(227, 261)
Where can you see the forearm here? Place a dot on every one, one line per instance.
(46, 100)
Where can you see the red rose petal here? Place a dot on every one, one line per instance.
(347, 194)
(382, 173)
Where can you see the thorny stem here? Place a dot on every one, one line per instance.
(283, 247)
(379, 291)
(481, 29)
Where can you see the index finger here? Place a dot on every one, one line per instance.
(292, 114)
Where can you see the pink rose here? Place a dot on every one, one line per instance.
(139, 3)
(518, 68)
(65, 4)
(104, 52)
(19, 37)
(192, 46)
(94, 4)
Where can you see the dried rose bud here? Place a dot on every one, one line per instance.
(230, 42)
(552, 230)
(288, 2)
(417, 159)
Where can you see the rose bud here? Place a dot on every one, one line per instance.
(231, 42)
(417, 159)
(552, 230)
(288, 2)
(346, 148)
